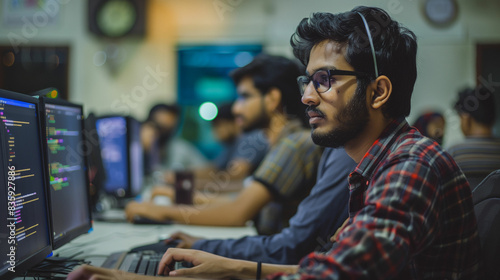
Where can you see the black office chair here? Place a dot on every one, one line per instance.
(486, 198)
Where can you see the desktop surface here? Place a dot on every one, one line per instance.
(107, 238)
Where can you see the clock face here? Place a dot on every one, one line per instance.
(441, 12)
(116, 18)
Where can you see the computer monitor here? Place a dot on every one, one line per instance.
(25, 235)
(66, 149)
(122, 155)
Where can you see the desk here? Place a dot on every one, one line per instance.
(107, 238)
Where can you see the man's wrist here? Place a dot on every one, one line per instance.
(197, 244)
(244, 269)
(166, 212)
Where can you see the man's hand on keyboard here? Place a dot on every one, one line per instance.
(186, 240)
(205, 265)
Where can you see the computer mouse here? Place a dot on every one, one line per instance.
(139, 220)
(162, 200)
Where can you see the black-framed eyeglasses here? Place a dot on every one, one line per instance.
(322, 79)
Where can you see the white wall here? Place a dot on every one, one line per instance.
(446, 58)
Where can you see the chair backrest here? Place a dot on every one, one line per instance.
(475, 179)
(486, 198)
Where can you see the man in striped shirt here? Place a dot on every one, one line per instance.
(479, 154)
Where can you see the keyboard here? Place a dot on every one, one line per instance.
(144, 262)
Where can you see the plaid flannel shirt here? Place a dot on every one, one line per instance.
(410, 216)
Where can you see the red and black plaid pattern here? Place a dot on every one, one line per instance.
(411, 216)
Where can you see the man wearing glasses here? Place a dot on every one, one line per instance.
(410, 208)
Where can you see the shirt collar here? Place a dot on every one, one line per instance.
(380, 148)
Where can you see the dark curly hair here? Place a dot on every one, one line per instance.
(395, 49)
(477, 102)
(160, 107)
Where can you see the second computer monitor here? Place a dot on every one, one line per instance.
(67, 149)
(122, 155)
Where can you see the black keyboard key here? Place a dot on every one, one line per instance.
(112, 260)
(130, 262)
(125, 264)
(152, 268)
(144, 265)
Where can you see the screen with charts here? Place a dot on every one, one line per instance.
(67, 171)
(24, 215)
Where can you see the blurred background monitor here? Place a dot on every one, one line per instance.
(122, 155)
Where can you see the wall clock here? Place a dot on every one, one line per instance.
(441, 12)
(117, 18)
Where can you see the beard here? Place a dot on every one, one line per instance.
(262, 120)
(352, 119)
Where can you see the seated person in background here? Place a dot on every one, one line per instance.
(174, 153)
(479, 154)
(267, 99)
(431, 124)
(410, 209)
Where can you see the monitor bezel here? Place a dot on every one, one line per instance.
(131, 122)
(41, 254)
(84, 228)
